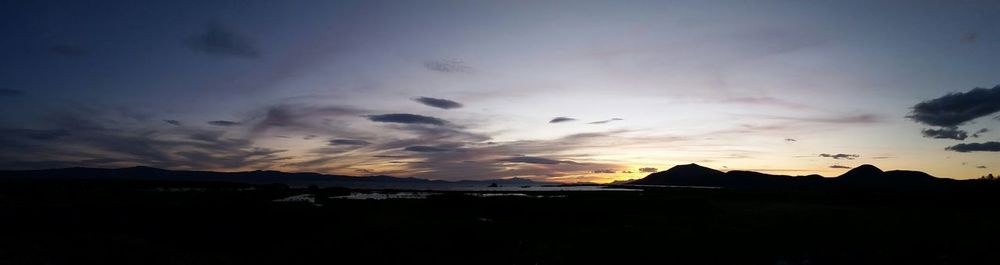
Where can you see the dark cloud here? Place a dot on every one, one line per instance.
(605, 121)
(41, 135)
(6, 92)
(224, 123)
(841, 156)
(980, 132)
(975, 147)
(839, 166)
(605, 171)
(67, 50)
(300, 118)
(407, 118)
(80, 119)
(970, 37)
(85, 136)
(221, 41)
(391, 156)
(173, 122)
(133, 114)
(627, 172)
(348, 142)
(425, 149)
(561, 119)
(309, 137)
(945, 133)
(790, 140)
(448, 66)
(533, 160)
(648, 170)
(438, 103)
(848, 119)
(983, 167)
(474, 157)
(955, 109)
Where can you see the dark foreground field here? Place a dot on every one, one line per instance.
(96, 224)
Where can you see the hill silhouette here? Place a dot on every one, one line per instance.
(871, 176)
(865, 176)
(684, 175)
(861, 176)
(142, 173)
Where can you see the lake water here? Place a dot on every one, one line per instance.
(389, 195)
(469, 187)
(391, 192)
(386, 195)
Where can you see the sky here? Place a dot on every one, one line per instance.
(567, 91)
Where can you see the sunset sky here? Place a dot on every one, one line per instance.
(550, 90)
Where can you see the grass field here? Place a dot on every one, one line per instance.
(671, 226)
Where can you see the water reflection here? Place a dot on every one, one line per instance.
(386, 195)
(523, 195)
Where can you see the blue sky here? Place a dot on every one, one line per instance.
(305, 86)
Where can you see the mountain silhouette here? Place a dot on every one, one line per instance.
(861, 176)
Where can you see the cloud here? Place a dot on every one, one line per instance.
(975, 147)
(173, 122)
(605, 171)
(605, 121)
(841, 156)
(100, 138)
(221, 41)
(67, 50)
(33, 134)
(970, 37)
(955, 109)
(224, 123)
(766, 101)
(448, 66)
(407, 118)
(391, 156)
(438, 103)
(6, 92)
(348, 142)
(533, 160)
(848, 119)
(312, 163)
(648, 170)
(561, 119)
(980, 132)
(945, 133)
(983, 167)
(425, 149)
(300, 117)
(790, 140)
(839, 166)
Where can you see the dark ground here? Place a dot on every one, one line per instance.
(74, 223)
